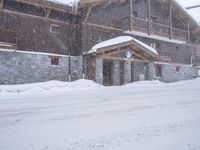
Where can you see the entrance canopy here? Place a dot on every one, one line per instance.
(125, 47)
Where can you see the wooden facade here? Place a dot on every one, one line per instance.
(41, 27)
(35, 25)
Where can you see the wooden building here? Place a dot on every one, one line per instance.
(162, 24)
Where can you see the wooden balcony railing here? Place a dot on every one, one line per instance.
(179, 34)
(159, 29)
(140, 24)
(8, 39)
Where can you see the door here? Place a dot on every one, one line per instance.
(122, 73)
(107, 72)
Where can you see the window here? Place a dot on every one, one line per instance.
(135, 14)
(54, 28)
(99, 36)
(154, 19)
(158, 69)
(155, 45)
(178, 68)
(54, 61)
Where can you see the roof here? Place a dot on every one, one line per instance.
(193, 11)
(154, 37)
(64, 2)
(187, 13)
(122, 41)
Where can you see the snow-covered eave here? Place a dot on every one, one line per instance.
(31, 52)
(187, 13)
(155, 37)
(116, 43)
(66, 3)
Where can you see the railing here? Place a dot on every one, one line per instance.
(140, 24)
(179, 34)
(158, 29)
(8, 39)
(8, 36)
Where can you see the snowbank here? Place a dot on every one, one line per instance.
(50, 85)
(82, 83)
(145, 115)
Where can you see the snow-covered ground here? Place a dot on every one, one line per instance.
(85, 116)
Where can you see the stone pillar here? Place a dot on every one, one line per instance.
(150, 71)
(116, 75)
(127, 72)
(99, 71)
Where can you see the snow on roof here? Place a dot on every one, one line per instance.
(155, 37)
(34, 53)
(185, 3)
(118, 40)
(64, 2)
(195, 13)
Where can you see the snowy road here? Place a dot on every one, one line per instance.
(86, 116)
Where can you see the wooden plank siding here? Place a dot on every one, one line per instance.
(32, 25)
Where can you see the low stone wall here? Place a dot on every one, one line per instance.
(17, 67)
(173, 72)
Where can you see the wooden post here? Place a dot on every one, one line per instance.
(188, 36)
(131, 14)
(88, 13)
(170, 22)
(149, 17)
(1, 4)
(47, 13)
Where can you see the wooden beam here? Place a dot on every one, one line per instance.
(131, 14)
(33, 16)
(124, 59)
(114, 52)
(47, 13)
(88, 13)
(102, 26)
(170, 22)
(41, 3)
(149, 17)
(192, 7)
(188, 32)
(1, 4)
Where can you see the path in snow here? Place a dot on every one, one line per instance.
(85, 116)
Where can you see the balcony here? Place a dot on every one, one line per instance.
(159, 29)
(8, 39)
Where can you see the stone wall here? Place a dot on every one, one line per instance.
(17, 67)
(172, 72)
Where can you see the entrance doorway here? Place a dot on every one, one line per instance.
(107, 72)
